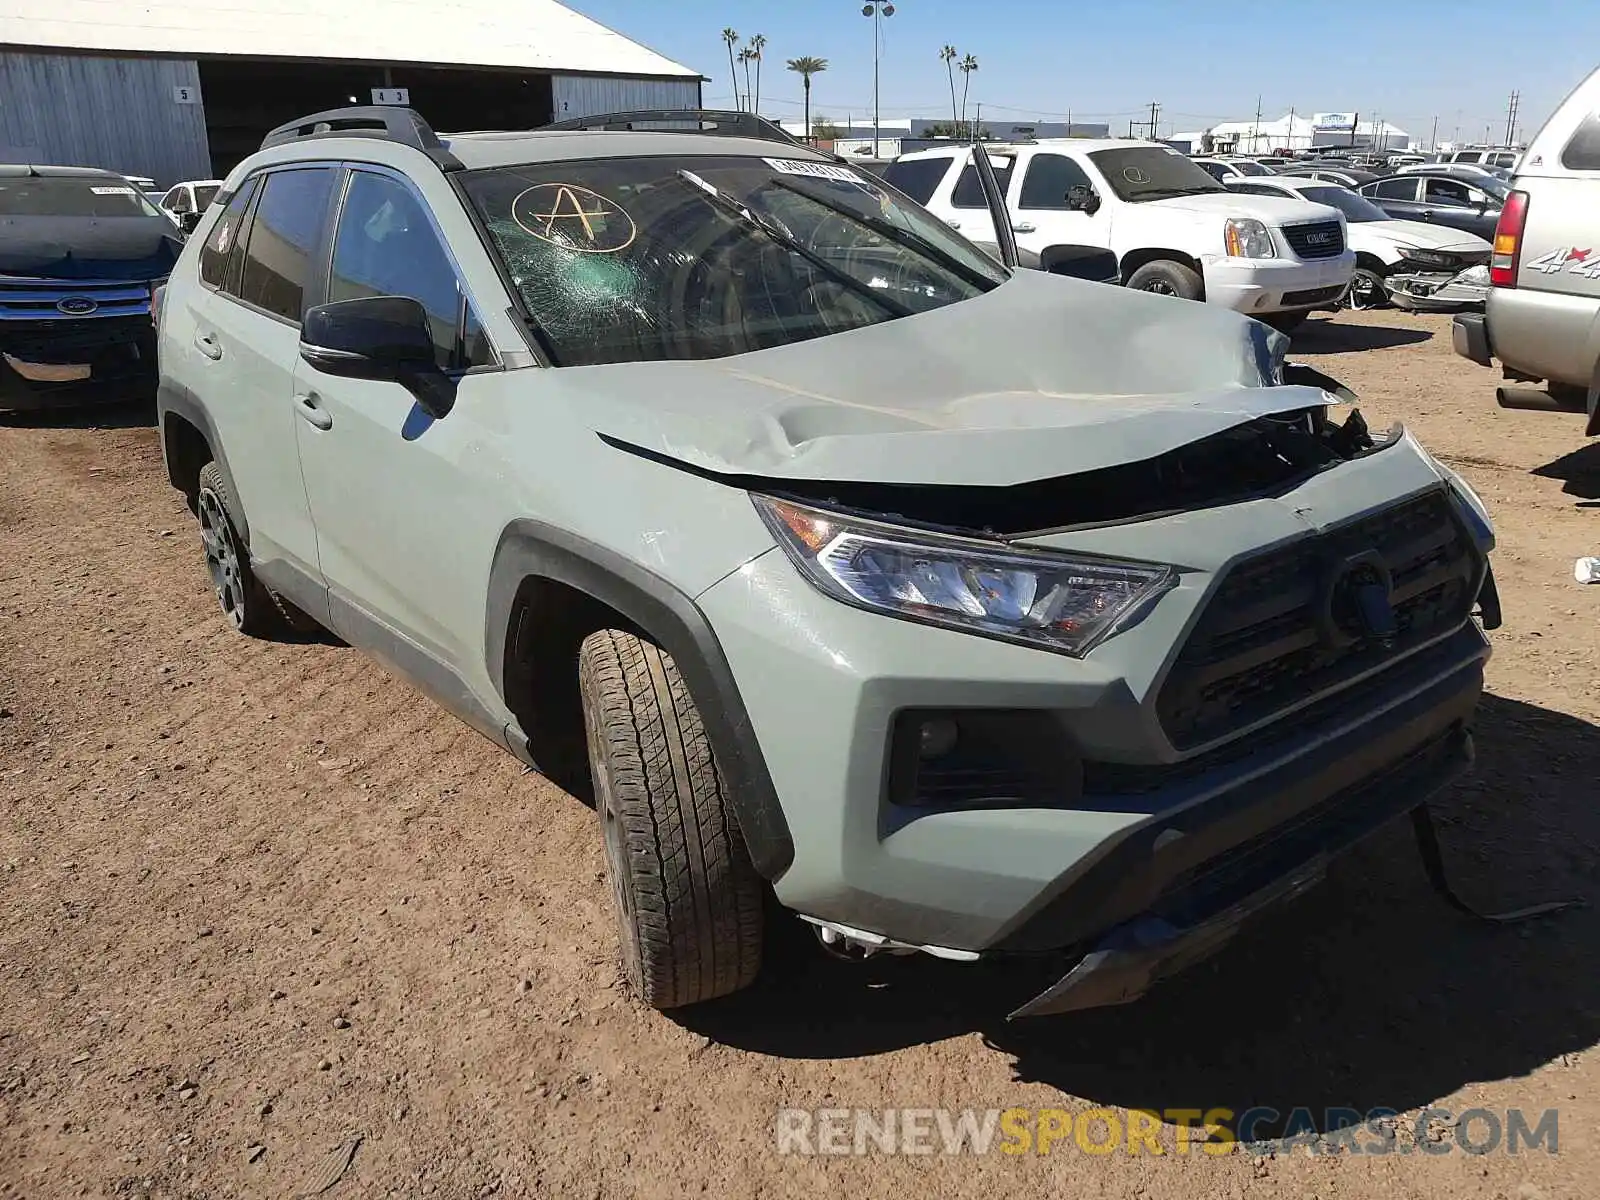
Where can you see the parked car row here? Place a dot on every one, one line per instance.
(1174, 229)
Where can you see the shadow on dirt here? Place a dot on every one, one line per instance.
(1333, 337)
(124, 414)
(1368, 992)
(1578, 471)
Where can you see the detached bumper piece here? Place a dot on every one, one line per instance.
(1435, 291)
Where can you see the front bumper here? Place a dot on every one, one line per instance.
(62, 363)
(1249, 849)
(1439, 291)
(1260, 286)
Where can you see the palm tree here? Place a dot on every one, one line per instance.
(745, 56)
(948, 57)
(806, 67)
(969, 64)
(730, 36)
(757, 45)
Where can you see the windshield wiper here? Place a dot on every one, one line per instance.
(1165, 192)
(900, 237)
(793, 244)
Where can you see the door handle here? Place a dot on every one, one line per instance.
(208, 345)
(309, 406)
(1024, 227)
(1426, 214)
(952, 222)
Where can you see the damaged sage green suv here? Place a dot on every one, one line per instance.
(968, 610)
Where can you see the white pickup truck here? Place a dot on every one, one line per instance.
(1174, 229)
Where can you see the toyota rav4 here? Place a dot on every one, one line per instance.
(965, 610)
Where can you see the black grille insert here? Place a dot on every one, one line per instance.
(1280, 630)
(1317, 239)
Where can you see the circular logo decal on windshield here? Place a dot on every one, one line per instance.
(1135, 175)
(573, 218)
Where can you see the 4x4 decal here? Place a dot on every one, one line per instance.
(1583, 262)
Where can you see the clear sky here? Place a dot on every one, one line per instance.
(1204, 60)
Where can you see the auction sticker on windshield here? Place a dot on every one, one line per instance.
(815, 170)
(112, 191)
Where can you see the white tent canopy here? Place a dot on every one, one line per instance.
(1294, 132)
(538, 35)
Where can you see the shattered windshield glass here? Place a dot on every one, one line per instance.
(634, 259)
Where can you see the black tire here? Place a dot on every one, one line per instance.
(1286, 322)
(1167, 278)
(688, 901)
(1366, 291)
(249, 606)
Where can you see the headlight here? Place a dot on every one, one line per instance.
(1429, 258)
(1060, 603)
(1247, 238)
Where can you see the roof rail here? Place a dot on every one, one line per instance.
(403, 125)
(718, 122)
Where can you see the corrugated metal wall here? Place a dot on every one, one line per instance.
(86, 110)
(586, 95)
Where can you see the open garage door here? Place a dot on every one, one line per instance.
(244, 99)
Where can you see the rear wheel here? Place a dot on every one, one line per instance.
(1167, 278)
(247, 603)
(688, 901)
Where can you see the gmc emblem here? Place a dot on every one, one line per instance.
(1318, 239)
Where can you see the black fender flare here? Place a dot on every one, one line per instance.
(530, 548)
(171, 398)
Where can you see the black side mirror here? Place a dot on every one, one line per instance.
(1084, 199)
(189, 221)
(385, 338)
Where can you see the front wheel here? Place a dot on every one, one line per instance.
(688, 901)
(1167, 278)
(1366, 291)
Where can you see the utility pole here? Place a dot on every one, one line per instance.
(1355, 124)
(1069, 121)
(977, 128)
(1255, 133)
(1433, 141)
(1155, 110)
(1130, 127)
(1511, 117)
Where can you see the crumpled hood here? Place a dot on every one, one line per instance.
(1419, 235)
(1042, 376)
(103, 248)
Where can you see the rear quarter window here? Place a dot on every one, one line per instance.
(1582, 151)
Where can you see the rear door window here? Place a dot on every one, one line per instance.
(1396, 189)
(1582, 151)
(283, 235)
(919, 178)
(969, 188)
(219, 257)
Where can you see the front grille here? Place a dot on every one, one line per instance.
(75, 341)
(1269, 638)
(1322, 295)
(1317, 239)
(38, 299)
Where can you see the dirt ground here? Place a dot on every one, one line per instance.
(258, 901)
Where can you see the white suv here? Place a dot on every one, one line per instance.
(1174, 229)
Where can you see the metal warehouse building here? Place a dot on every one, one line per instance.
(183, 89)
